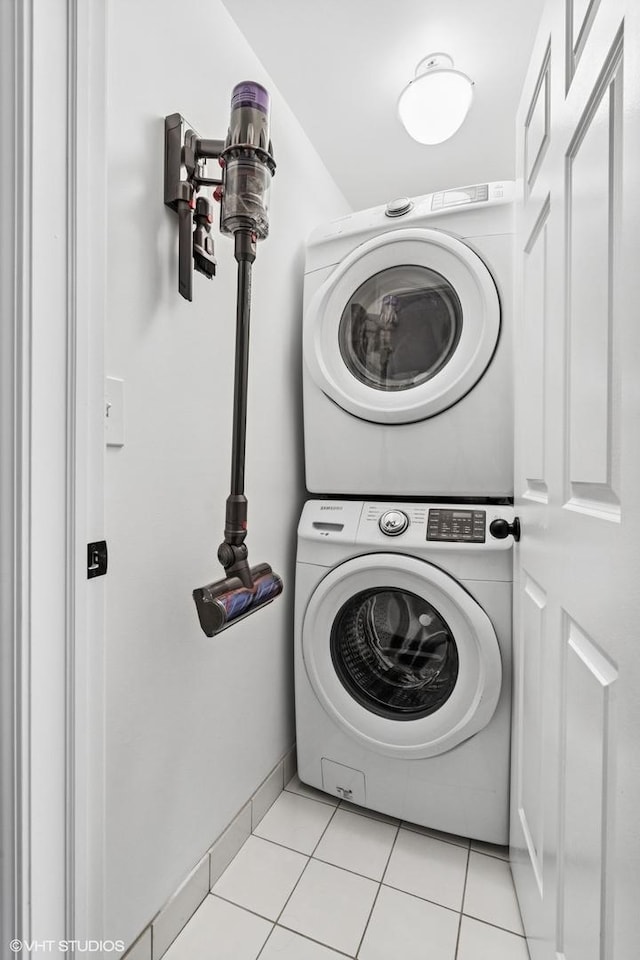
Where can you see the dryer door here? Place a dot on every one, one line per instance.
(404, 327)
(400, 655)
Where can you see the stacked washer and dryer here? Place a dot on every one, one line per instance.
(404, 565)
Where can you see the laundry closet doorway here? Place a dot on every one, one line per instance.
(575, 778)
(51, 459)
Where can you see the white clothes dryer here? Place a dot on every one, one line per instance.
(407, 367)
(403, 660)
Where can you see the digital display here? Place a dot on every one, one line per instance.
(457, 526)
(453, 198)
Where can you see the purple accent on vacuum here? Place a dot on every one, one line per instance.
(250, 94)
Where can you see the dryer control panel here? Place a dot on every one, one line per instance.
(457, 525)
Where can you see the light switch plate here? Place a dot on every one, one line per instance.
(114, 412)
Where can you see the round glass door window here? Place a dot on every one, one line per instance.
(400, 327)
(394, 653)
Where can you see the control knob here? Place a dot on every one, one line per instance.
(393, 523)
(502, 528)
(398, 208)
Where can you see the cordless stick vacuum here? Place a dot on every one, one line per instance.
(247, 165)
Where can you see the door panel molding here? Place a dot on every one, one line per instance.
(537, 130)
(577, 31)
(591, 223)
(587, 701)
(534, 336)
(531, 723)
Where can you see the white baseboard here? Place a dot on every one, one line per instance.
(159, 934)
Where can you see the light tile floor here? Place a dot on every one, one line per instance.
(322, 880)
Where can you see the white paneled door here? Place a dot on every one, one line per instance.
(576, 770)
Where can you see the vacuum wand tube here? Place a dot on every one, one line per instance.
(245, 255)
(232, 553)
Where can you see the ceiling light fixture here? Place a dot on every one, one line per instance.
(433, 106)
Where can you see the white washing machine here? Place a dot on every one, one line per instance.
(403, 660)
(407, 368)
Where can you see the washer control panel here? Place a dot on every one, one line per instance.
(393, 522)
(457, 525)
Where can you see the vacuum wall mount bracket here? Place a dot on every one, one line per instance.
(185, 172)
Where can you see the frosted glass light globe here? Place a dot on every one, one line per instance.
(434, 105)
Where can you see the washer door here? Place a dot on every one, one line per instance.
(404, 327)
(400, 655)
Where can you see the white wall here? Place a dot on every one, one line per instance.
(344, 84)
(192, 724)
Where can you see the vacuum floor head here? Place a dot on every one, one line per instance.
(224, 602)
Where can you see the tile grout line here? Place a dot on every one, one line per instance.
(380, 883)
(335, 810)
(327, 803)
(269, 935)
(416, 896)
(241, 906)
(274, 843)
(303, 796)
(513, 883)
(464, 893)
(274, 924)
(369, 814)
(348, 808)
(490, 923)
(305, 936)
(398, 826)
(362, 876)
(344, 869)
(277, 843)
(422, 833)
(284, 847)
(494, 856)
(309, 858)
(366, 926)
(375, 899)
(496, 926)
(489, 846)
